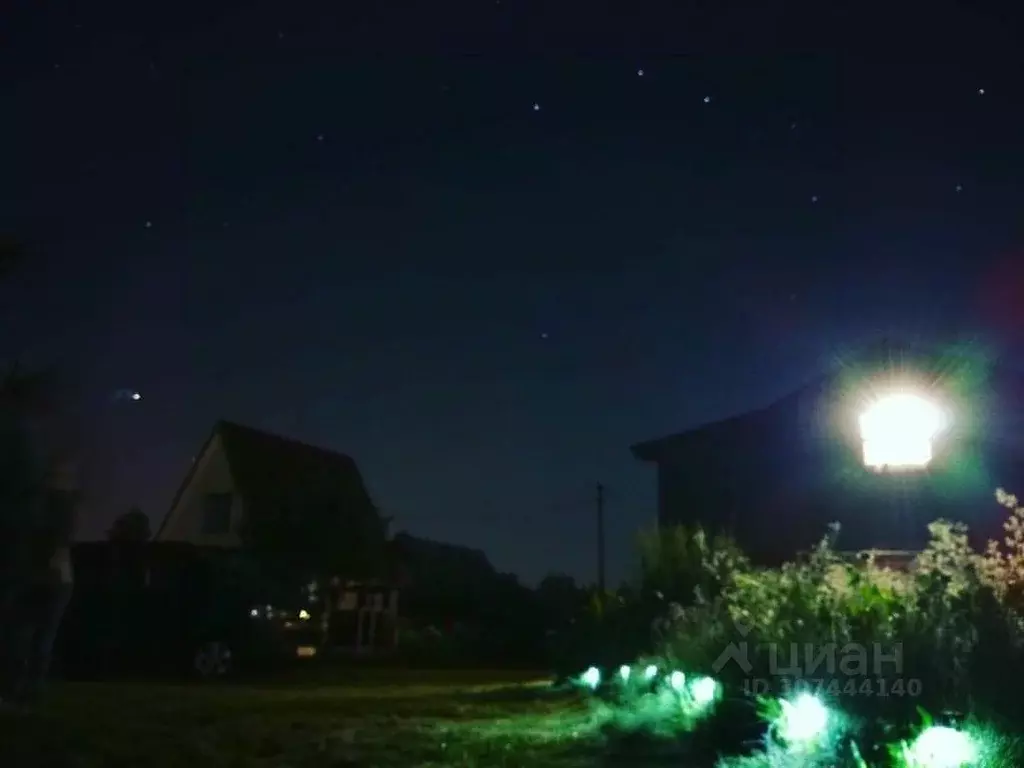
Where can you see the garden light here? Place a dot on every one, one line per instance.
(942, 747)
(591, 678)
(677, 680)
(704, 691)
(650, 672)
(624, 672)
(897, 431)
(803, 721)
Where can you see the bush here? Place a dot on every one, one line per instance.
(826, 622)
(880, 647)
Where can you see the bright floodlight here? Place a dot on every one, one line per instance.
(898, 430)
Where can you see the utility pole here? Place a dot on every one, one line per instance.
(600, 541)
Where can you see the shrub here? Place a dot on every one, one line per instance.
(948, 622)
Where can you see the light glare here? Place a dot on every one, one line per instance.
(897, 431)
(943, 747)
(591, 678)
(803, 720)
(704, 690)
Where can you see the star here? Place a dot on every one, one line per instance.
(959, 187)
(707, 99)
(536, 107)
(814, 198)
(320, 137)
(136, 396)
(792, 126)
(639, 73)
(543, 335)
(149, 225)
(981, 91)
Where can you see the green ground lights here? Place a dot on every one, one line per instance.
(704, 691)
(802, 728)
(803, 723)
(591, 678)
(645, 698)
(940, 746)
(677, 681)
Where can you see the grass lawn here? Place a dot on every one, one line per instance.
(376, 719)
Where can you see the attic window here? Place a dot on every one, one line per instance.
(217, 514)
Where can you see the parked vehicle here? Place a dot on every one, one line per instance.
(174, 610)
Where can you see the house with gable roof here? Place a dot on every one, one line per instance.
(776, 478)
(241, 472)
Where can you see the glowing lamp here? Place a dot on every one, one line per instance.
(591, 678)
(704, 691)
(804, 720)
(898, 430)
(677, 680)
(943, 747)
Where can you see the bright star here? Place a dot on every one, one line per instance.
(536, 107)
(707, 99)
(639, 73)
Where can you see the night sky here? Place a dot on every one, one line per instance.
(485, 247)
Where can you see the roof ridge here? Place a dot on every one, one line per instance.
(221, 423)
(242, 445)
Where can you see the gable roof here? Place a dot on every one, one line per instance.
(268, 467)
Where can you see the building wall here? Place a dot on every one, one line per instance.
(776, 510)
(185, 521)
(689, 492)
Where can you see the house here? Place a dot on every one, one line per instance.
(440, 579)
(243, 476)
(776, 477)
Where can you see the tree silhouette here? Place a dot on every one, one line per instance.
(561, 599)
(130, 528)
(20, 390)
